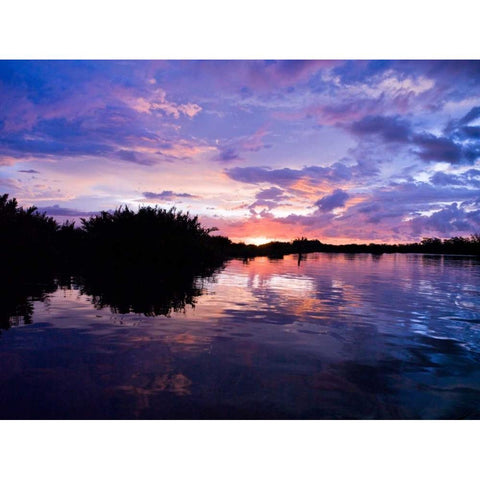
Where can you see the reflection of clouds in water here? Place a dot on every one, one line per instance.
(235, 279)
(291, 285)
(393, 294)
(342, 336)
(259, 285)
(176, 383)
(144, 389)
(286, 283)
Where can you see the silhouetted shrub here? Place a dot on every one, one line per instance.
(150, 238)
(27, 237)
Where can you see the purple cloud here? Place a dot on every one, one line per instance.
(285, 177)
(227, 155)
(439, 149)
(166, 195)
(455, 147)
(268, 199)
(443, 179)
(332, 201)
(446, 221)
(461, 131)
(133, 157)
(58, 211)
(390, 129)
(472, 115)
(272, 193)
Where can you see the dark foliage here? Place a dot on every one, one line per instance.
(150, 238)
(27, 237)
(17, 295)
(456, 246)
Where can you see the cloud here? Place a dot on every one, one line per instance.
(272, 193)
(467, 133)
(398, 211)
(473, 173)
(401, 212)
(447, 221)
(420, 194)
(472, 115)
(134, 157)
(443, 179)
(451, 148)
(233, 149)
(89, 110)
(469, 178)
(344, 111)
(433, 80)
(29, 171)
(58, 211)
(390, 129)
(227, 155)
(286, 177)
(158, 103)
(332, 201)
(461, 130)
(166, 195)
(268, 199)
(256, 175)
(259, 76)
(408, 209)
(265, 205)
(18, 146)
(439, 149)
(443, 149)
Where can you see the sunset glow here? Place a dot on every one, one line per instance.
(342, 151)
(258, 240)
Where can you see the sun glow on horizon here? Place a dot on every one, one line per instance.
(258, 240)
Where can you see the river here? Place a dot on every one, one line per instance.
(326, 336)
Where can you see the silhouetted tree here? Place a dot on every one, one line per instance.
(27, 237)
(150, 237)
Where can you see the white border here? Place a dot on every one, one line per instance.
(239, 450)
(248, 29)
(213, 29)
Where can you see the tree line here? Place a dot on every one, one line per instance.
(158, 239)
(455, 246)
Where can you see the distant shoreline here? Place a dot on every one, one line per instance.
(362, 253)
(453, 246)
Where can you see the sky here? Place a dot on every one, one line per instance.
(342, 151)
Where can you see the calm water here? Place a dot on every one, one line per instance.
(336, 336)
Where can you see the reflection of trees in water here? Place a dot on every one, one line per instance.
(148, 292)
(134, 291)
(17, 296)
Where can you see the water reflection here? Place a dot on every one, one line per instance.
(143, 292)
(151, 295)
(330, 336)
(17, 297)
